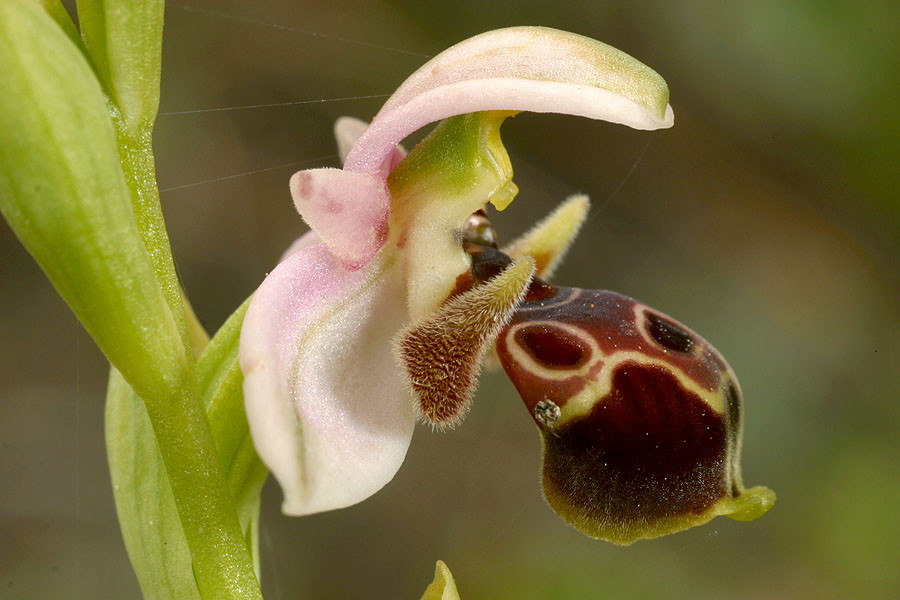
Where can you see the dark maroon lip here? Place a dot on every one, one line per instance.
(648, 449)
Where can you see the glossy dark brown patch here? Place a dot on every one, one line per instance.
(553, 347)
(609, 318)
(651, 449)
(479, 230)
(489, 262)
(668, 334)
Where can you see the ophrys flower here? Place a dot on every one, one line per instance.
(380, 313)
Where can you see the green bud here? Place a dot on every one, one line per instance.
(124, 40)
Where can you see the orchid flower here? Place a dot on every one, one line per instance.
(383, 313)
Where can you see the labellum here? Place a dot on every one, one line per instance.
(640, 417)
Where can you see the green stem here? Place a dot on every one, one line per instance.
(223, 565)
(144, 498)
(139, 167)
(79, 188)
(222, 562)
(144, 501)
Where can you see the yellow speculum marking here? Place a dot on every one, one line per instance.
(582, 403)
(600, 385)
(524, 358)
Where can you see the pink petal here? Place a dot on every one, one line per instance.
(349, 129)
(307, 239)
(327, 407)
(346, 131)
(349, 211)
(520, 68)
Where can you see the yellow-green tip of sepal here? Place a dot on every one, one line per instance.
(443, 587)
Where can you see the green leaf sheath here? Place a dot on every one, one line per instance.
(198, 335)
(144, 499)
(138, 165)
(62, 17)
(63, 192)
(145, 505)
(220, 380)
(222, 562)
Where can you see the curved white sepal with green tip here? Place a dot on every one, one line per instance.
(535, 69)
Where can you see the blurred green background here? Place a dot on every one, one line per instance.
(767, 219)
